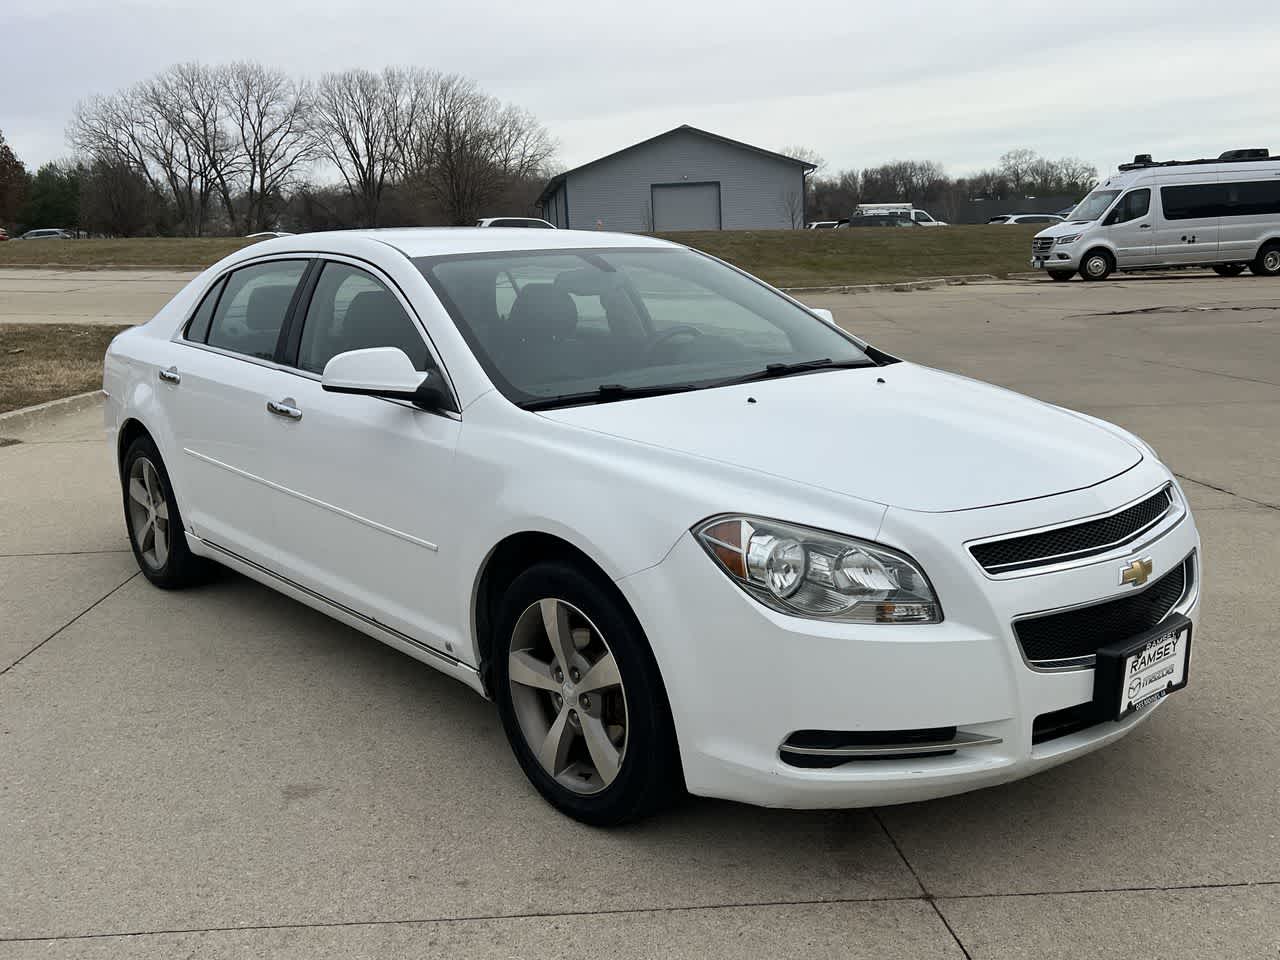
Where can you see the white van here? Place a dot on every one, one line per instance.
(921, 217)
(1223, 214)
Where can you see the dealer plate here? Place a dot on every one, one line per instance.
(1144, 670)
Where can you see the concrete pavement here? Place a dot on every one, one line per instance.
(58, 295)
(223, 772)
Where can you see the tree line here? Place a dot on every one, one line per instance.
(232, 149)
(1020, 174)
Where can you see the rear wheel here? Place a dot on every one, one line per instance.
(153, 521)
(1229, 269)
(1267, 263)
(1097, 265)
(1062, 276)
(580, 698)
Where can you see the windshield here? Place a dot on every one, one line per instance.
(563, 323)
(1094, 205)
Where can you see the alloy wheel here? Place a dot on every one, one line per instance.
(1271, 261)
(148, 513)
(568, 696)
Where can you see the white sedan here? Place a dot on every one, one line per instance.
(686, 532)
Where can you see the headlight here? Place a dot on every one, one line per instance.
(1071, 239)
(812, 573)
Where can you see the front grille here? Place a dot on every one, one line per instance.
(1074, 542)
(1075, 635)
(1042, 245)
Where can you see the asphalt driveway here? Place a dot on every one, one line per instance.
(225, 773)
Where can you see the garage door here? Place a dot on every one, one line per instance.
(686, 206)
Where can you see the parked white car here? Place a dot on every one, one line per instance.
(1223, 214)
(686, 532)
(1011, 219)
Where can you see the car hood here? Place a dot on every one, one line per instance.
(1066, 228)
(901, 435)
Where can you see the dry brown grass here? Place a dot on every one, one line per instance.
(192, 252)
(40, 362)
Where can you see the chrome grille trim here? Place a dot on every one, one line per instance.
(1173, 511)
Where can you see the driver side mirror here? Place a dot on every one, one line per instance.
(384, 372)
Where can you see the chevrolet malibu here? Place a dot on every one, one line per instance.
(686, 532)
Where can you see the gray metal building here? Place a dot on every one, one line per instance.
(684, 179)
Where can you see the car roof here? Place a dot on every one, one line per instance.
(442, 241)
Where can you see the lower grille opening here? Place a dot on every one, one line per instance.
(1063, 723)
(915, 744)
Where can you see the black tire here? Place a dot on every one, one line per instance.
(178, 567)
(1267, 263)
(648, 775)
(1062, 276)
(1097, 265)
(1228, 269)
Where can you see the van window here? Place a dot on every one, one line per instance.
(1253, 199)
(1194, 201)
(1134, 204)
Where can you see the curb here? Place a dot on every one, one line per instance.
(901, 286)
(26, 416)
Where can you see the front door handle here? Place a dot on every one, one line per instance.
(171, 375)
(1144, 226)
(285, 408)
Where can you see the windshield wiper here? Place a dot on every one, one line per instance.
(773, 370)
(606, 393)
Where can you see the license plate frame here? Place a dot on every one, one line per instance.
(1128, 674)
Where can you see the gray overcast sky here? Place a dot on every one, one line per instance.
(860, 82)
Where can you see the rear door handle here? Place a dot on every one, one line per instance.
(171, 375)
(285, 408)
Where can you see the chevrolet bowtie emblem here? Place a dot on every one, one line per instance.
(1136, 572)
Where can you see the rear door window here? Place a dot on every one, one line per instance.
(253, 306)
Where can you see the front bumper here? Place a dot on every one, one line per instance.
(741, 678)
(1066, 257)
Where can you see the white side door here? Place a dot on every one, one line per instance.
(1128, 227)
(218, 390)
(365, 503)
(1252, 213)
(1187, 226)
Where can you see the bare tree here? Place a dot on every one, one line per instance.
(793, 207)
(270, 117)
(807, 154)
(475, 149)
(355, 131)
(1018, 166)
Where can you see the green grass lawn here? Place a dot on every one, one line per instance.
(788, 258)
(814, 258)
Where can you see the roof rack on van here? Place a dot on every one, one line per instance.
(1230, 156)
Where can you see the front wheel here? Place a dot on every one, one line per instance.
(580, 698)
(1229, 269)
(1062, 276)
(1096, 265)
(1267, 263)
(153, 521)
